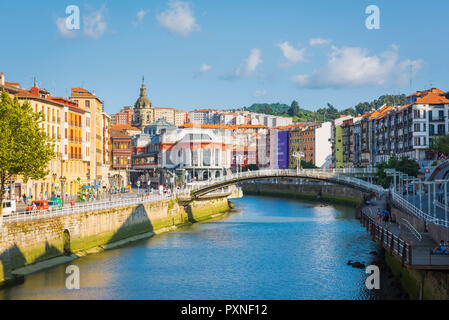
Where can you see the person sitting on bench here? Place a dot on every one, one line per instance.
(441, 249)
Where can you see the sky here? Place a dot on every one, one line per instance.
(228, 54)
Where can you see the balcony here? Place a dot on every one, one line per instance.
(74, 156)
(439, 119)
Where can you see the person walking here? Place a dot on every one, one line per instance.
(386, 216)
(378, 216)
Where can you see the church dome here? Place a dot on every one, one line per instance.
(143, 101)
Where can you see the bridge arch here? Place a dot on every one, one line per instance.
(344, 177)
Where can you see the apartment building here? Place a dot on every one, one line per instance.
(66, 124)
(205, 116)
(121, 152)
(402, 131)
(124, 116)
(97, 123)
(337, 141)
(75, 139)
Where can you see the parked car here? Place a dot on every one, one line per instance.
(37, 205)
(9, 207)
(126, 189)
(54, 204)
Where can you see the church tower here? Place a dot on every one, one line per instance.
(143, 111)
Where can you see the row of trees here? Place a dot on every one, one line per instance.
(324, 114)
(404, 164)
(25, 149)
(440, 144)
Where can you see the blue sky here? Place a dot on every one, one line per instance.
(228, 54)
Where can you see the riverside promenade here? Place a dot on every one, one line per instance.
(401, 239)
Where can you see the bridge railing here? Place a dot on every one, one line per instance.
(337, 175)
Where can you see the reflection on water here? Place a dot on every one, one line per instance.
(271, 249)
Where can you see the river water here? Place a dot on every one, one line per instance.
(270, 248)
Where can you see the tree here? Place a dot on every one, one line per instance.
(308, 165)
(440, 144)
(404, 165)
(25, 149)
(294, 109)
(268, 110)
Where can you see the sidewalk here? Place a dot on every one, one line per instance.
(420, 247)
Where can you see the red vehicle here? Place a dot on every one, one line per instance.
(38, 205)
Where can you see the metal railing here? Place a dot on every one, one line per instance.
(412, 229)
(394, 244)
(89, 207)
(331, 175)
(400, 202)
(98, 205)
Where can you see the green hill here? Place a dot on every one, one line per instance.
(323, 114)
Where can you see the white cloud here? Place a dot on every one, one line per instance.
(205, 67)
(139, 17)
(94, 24)
(178, 18)
(260, 93)
(318, 42)
(63, 31)
(353, 67)
(292, 54)
(248, 67)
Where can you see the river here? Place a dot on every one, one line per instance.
(269, 248)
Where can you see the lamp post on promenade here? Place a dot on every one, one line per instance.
(445, 197)
(429, 195)
(55, 177)
(63, 180)
(417, 181)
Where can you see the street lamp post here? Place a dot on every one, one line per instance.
(55, 176)
(298, 156)
(63, 180)
(239, 160)
(415, 181)
(445, 187)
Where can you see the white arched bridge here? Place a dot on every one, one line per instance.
(348, 177)
(212, 188)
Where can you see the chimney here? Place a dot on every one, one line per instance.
(2, 79)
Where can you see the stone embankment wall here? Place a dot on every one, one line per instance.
(324, 192)
(30, 242)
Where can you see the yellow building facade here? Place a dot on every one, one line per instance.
(95, 123)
